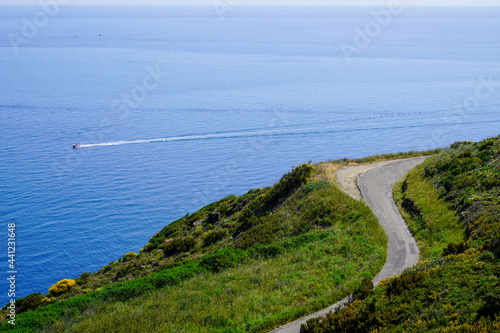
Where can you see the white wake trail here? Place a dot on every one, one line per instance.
(189, 137)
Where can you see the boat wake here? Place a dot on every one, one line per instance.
(189, 137)
(275, 132)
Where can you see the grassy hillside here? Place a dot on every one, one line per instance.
(244, 263)
(429, 216)
(452, 205)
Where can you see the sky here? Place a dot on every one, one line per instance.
(261, 2)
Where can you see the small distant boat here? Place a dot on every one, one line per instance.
(76, 145)
(99, 35)
(76, 35)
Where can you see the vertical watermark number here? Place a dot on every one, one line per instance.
(11, 273)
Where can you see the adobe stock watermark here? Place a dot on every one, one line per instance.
(31, 26)
(120, 110)
(363, 37)
(131, 101)
(485, 89)
(11, 273)
(223, 6)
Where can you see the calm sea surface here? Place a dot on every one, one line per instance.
(180, 108)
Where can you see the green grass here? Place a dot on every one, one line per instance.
(385, 157)
(459, 293)
(430, 218)
(452, 205)
(278, 253)
(255, 297)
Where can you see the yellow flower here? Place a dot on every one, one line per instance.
(61, 287)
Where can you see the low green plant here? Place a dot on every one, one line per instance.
(451, 205)
(212, 237)
(129, 256)
(179, 245)
(430, 218)
(294, 265)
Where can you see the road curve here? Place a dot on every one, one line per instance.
(402, 250)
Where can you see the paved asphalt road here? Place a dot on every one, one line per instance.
(402, 251)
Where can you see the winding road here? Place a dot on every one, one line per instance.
(376, 186)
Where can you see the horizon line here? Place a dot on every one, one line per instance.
(258, 5)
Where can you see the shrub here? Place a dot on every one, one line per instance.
(46, 301)
(61, 287)
(311, 187)
(483, 145)
(403, 283)
(83, 278)
(129, 256)
(356, 317)
(487, 256)
(455, 248)
(270, 200)
(459, 144)
(465, 154)
(364, 290)
(260, 234)
(221, 260)
(495, 246)
(151, 246)
(179, 245)
(214, 217)
(409, 206)
(491, 306)
(29, 302)
(269, 251)
(212, 237)
(121, 272)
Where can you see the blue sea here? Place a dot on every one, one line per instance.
(176, 107)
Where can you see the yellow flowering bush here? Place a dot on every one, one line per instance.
(46, 301)
(61, 287)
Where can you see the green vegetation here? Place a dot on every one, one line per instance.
(452, 206)
(250, 262)
(429, 217)
(252, 290)
(386, 157)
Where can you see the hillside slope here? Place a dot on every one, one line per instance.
(249, 263)
(452, 205)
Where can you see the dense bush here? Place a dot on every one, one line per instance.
(357, 317)
(264, 233)
(364, 290)
(83, 278)
(280, 217)
(268, 251)
(221, 260)
(129, 256)
(179, 245)
(211, 236)
(314, 186)
(468, 176)
(457, 291)
(267, 202)
(455, 248)
(30, 302)
(491, 305)
(402, 283)
(61, 287)
(439, 296)
(124, 291)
